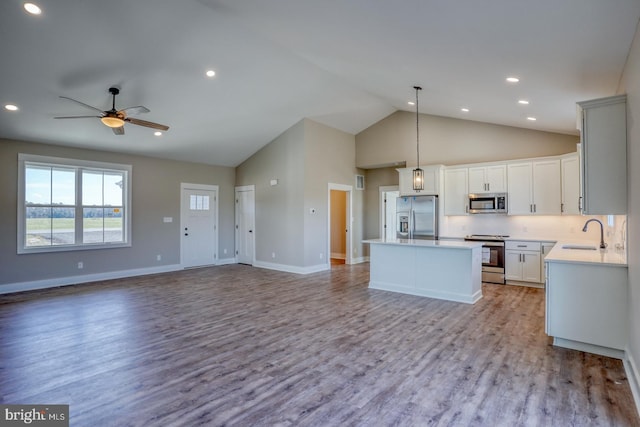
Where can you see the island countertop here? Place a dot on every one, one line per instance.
(448, 244)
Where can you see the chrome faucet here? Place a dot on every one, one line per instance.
(603, 245)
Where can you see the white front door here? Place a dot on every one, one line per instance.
(198, 225)
(245, 224)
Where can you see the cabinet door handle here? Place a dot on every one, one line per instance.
(580, 203)
(535, 208)
(523, 258)
(522, 246)
(488, 186)
(561, 207)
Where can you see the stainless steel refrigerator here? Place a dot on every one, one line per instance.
(417, 217)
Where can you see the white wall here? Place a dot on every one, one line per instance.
(553, 228)
(631, 85)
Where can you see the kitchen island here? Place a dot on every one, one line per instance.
(443, 269)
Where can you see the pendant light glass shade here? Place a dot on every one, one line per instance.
(418, 174)
(418, 179)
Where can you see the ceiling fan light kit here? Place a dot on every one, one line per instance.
(112, 122)
(115, 119)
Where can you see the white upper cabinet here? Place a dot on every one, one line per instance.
(604, 155)
(456, 194)
(534, 187)
(519, 185)
(431, 181)
(570, 176)
(488, 179)
(547, 199)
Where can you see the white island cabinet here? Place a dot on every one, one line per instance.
(586, 300)
(443, 269)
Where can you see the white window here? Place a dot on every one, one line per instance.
(66, 204)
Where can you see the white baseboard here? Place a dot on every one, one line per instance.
(76, 280)
(227, 261)
(589, 348)
(429, 293)
(633, 375)
(359, 260)
(336, 255)
(291, 268)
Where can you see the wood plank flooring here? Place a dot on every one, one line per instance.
(236, 345)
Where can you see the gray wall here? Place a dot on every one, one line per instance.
(155, 194)
(279, 226)
(452, 141)
(376, 178)
(330, 157)
(631, 85)
(305, 159)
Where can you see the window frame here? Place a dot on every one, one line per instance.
(79, 166)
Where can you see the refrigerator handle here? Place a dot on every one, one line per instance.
(412, 222)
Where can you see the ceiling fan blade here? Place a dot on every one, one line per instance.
(78, 117)
(132, 111)
(82, 103)
(146, 124)
(118, 131)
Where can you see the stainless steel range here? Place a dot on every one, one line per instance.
(492, 256)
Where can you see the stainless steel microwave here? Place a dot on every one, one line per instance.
(487, 203)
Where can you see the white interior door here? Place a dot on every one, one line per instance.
(198, 225)
(388, 196)
(245, 224)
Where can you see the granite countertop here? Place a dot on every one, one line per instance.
(611, 257)
(449, 244)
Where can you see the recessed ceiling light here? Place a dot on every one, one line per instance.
(513, 79)
(11, 107)
(210, 73)
(32, 9)
(158, 133)
(464, 110)
(523, 102)
(411, 103)
(532, 119)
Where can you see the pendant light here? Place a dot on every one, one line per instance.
(418, 174)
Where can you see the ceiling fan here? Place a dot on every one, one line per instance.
(115, 119)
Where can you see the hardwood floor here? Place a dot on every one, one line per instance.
(236, 345)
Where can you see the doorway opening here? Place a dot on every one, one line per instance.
(340, 220)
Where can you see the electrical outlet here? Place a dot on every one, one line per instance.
(321, 256)
(80, 265)
(224, 251)
(158, 257)
(273, 254)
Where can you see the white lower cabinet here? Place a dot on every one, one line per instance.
(522, 261)
(587, 307)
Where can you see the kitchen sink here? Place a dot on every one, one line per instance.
(581, 247)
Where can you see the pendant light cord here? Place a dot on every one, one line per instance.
(417, 88)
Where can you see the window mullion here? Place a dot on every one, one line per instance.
(79, 222)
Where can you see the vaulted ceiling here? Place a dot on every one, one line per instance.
(346, 64)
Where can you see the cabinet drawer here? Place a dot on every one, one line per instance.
(522, 246)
